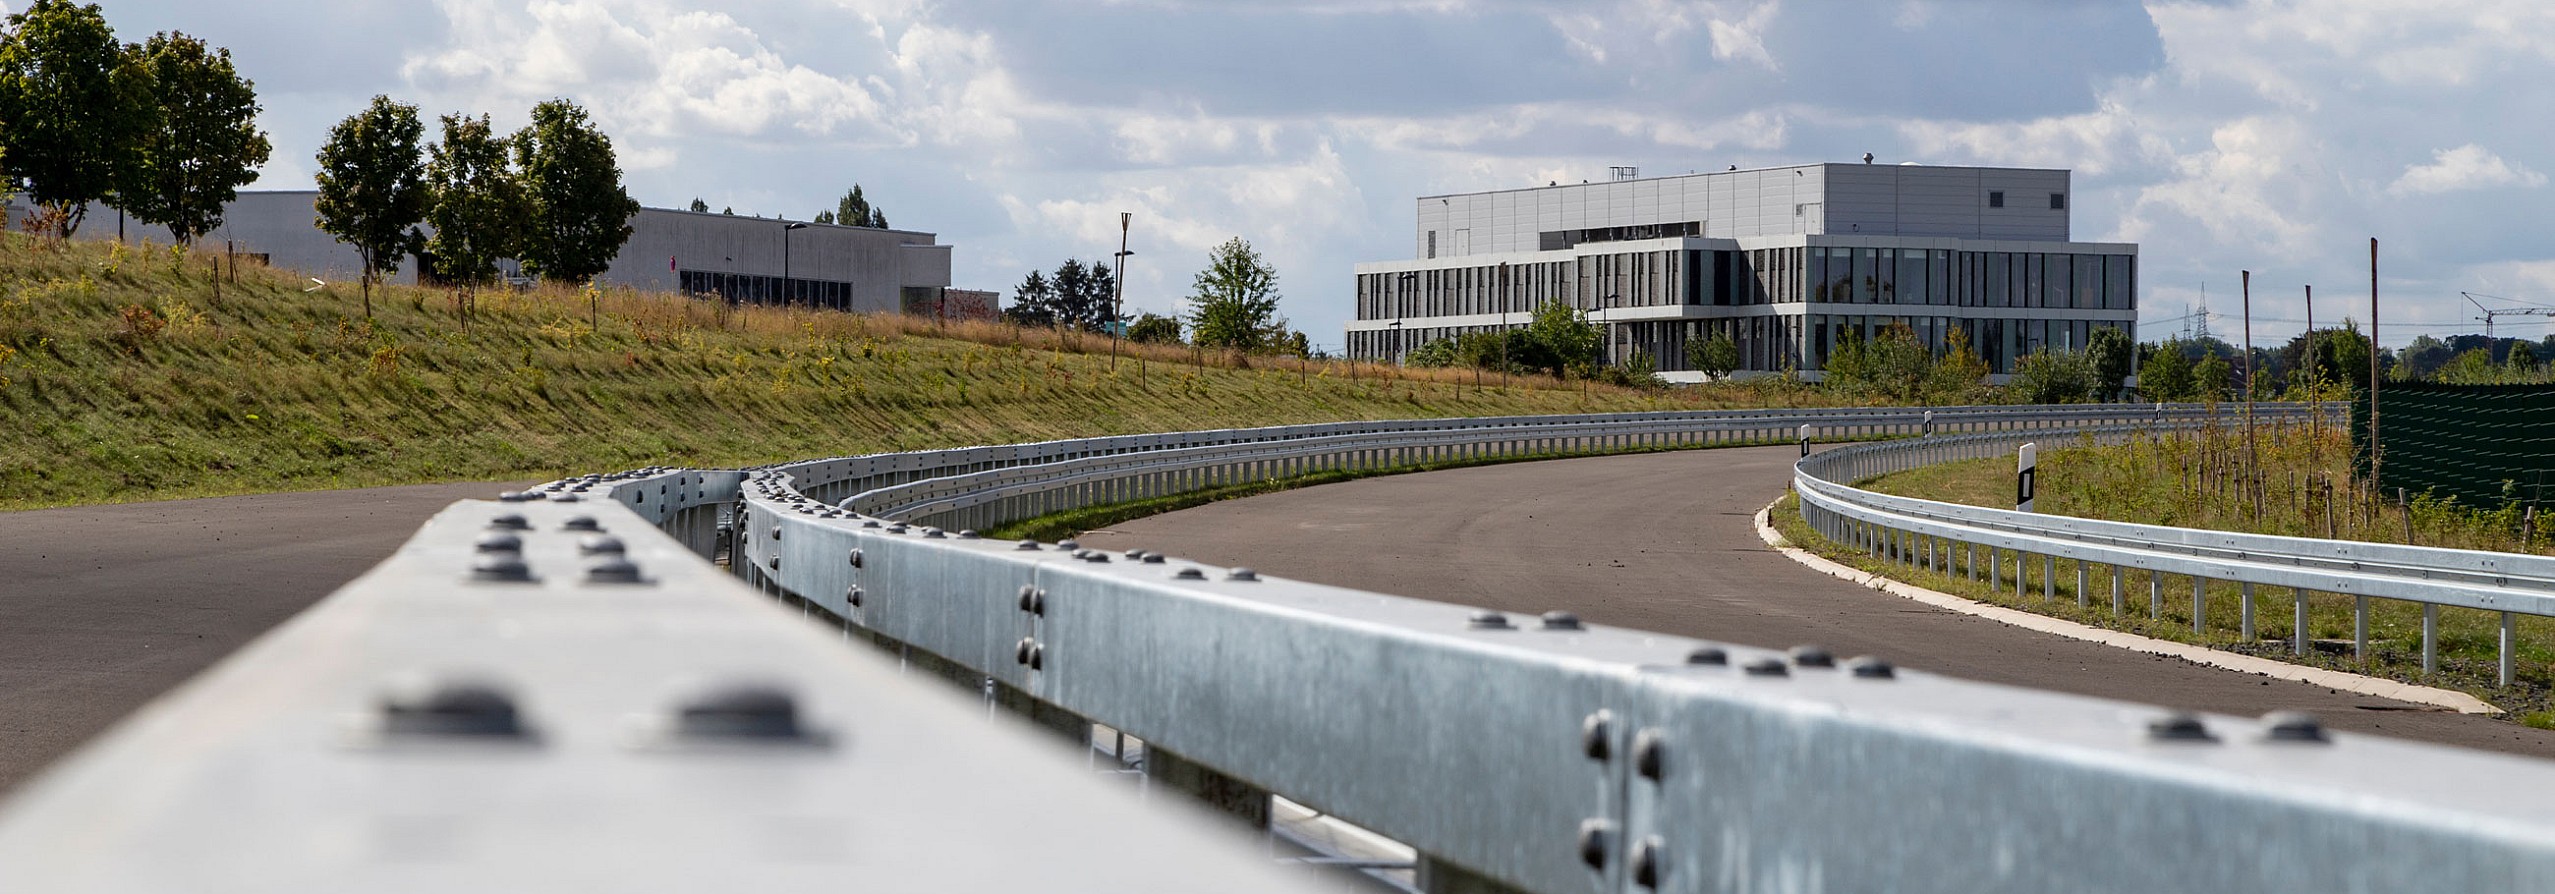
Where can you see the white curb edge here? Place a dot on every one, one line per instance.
(2330, 679)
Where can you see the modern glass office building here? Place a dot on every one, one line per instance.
(1786, 260)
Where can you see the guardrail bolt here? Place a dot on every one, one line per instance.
(775, 562)
(1766, 667)
(503, 568)
(2179, 726)
(1561, 620)
(1033, 600)
(615, 570)
(1597, 736)
(1488, 621)
(932, 534)
(602, 545)
(968, 534)
(1020, 652)
(896, 529)
(750, 711)
(1648, 754)
(512, 521)
(1242, 574)
(1595, 837)
(457, 709)
(1068, 544)
(776, 532)
(499, 543)
(1812, 656)
(1026, 545)
(2293, 726)
(1154, 558)
(856, 557)
(581, 523)
(1184, 573)
(1646, 857)
(1037, 656)
(852, 597)
(1709, 655)
(1871, 668)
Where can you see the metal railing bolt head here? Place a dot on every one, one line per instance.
(1242, 574)
(1595, 837)
(512, 521)
(1152, 558)
(2293, 726)
(615, 570)
(1649, 757)
(776, 532)
(1068, 544)
(1597, 736)
(1020, 653)
(1870, 668)
(2179, 726)
(1766, 667)
(1487, 620)
(499, 543)
(1026, 545)
(1709, 655)
(1646, 857)
(1812, 656)
(1189, 574)
(1561, 620)
(602, 545)
(856, 557)
(852, 596)
(452, 709)
(581, 523)
(503, 568)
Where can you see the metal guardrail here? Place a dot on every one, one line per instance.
(1948, 538)
(1533, 754)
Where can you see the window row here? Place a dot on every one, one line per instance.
(746, 288)
(1821, 274)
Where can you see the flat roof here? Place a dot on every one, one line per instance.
(1815, 164)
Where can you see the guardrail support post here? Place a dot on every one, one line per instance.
(2115, 591)
(2245, 601)
(1224, 794)
(2022, 573)
(1995, 567)
(2360, 629)
(2504, 650)
(2155, 596)
(2048, 578)
(2298, 625)
(2199, 604)
(2430, 637)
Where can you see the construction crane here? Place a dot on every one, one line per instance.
(2490, 313)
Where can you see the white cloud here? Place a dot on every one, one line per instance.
(2465, 167)
(1743, 39)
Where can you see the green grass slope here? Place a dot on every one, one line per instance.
(132, 374)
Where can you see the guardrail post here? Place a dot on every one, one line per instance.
(1224, 794)
(2504, 650)
(2022, 573)
(2245, 599)
(2155, 596)
(1995, 566)
(2430, 637)
(2298, 624)
(2048, 578)
(2115, 591)
(2080, 583)
(2360, 629)
(2199, 604)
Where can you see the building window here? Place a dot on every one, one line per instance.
(1432, 243)
(2058, 201)
(1996, 198)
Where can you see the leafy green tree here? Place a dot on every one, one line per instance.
(2473, 367)
(1893, 365)
(1559, 338)
(2168, 374)
(2110, 352)
(824, 217)
(1033, 302)
(2522, 360)
(372, 186)
(571, 183)
(1717, 356)
(77, 106)
(1154, 329)
(2044, 377)
(205, 144)
(479, 206)
(2213, 378)
(854, 210)
(1234, 300)
(1085, 295)
(1958, 374)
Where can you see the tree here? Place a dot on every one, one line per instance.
(77, 105)
(854, 210)
(1154, 329)
(479, 207)
(2212, 378)
(2523, 359)
(824, 217)
(1560, 339)
(571, 184)
(1033, 302)
(1958, 374)
(205, 144)
(1717, 356)
(2109, 352)
(1085, 295)
(1234, 300)
(2167, 376)
(2063, 377)
(1893, 365)
(372, 186)
(700, 207)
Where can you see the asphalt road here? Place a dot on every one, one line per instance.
(1666, 542)
(102, 608)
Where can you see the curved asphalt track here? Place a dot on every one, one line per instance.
(1667, 542)
(102, 608)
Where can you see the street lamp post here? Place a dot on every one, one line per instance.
(785, 261)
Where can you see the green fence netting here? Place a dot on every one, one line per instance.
(2483, 444)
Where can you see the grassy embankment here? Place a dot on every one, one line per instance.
(132, 374)
(2195, 480)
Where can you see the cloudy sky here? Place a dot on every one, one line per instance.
(2223, 136)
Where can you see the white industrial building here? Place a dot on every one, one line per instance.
(1786, 260)
(746, 259)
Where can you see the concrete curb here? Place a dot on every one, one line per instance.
(2316, 676)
